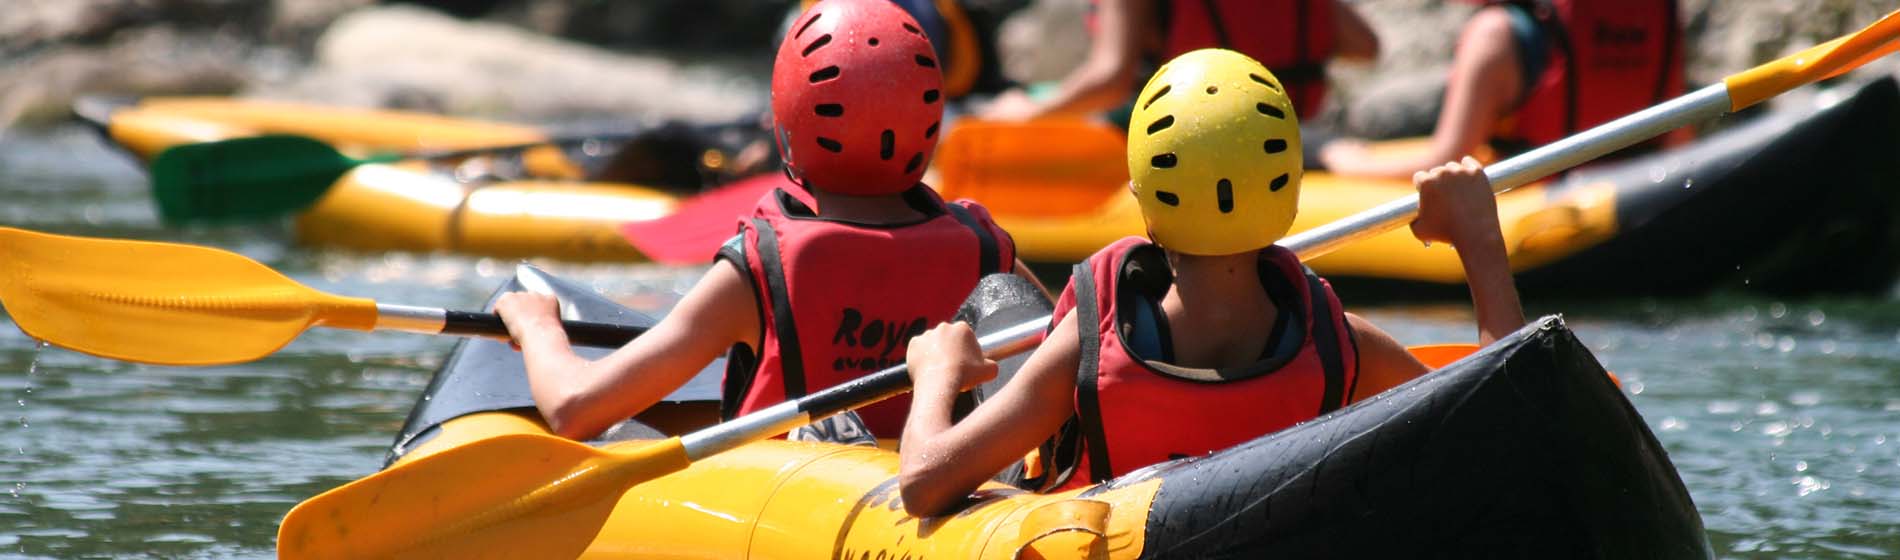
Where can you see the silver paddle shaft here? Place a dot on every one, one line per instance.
(1699, 105)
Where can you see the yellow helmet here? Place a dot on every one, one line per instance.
(1214, 155)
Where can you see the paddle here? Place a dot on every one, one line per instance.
(264, 177)
(172, 304)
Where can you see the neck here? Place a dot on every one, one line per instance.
(883, 208)
(1216, 285)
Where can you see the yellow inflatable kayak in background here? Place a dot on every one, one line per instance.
(1769, 203)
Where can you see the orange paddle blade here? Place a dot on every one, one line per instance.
(1814, 64)
(1055, 167)
(511, 496)
(159, 303)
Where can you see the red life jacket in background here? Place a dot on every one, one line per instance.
(1293, 38)
(1133, 413)
(840, 300)
(1607, 59)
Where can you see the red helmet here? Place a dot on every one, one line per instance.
(857, 98)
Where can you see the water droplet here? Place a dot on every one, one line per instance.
(1657, 173)
(1636, 387)
(1786, 345)
(1805, 398)
(1828, 346)
(1816, 317)
(1777, 310)
(1688, 183)
(1800, 466)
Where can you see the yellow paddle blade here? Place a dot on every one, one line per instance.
(511, 496)
(1816, 63)
(159, 303)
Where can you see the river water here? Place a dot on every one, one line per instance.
(1782, 416)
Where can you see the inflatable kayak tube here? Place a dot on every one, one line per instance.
(1523, 449)
(1796, 200)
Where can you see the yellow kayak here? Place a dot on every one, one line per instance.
(1743, 208)
(1521, 449)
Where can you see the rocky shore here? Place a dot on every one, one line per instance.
(541, 60)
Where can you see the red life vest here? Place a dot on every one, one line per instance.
(840, 300)
(1133, 413)
(1607, 59)
(1293, 38)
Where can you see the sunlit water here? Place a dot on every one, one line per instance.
(1783, 416)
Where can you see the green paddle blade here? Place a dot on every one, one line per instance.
(246, 179)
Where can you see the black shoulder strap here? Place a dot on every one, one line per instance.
(1668, 51)
(1326, 341)
(791, 360)
(1220, 30)
(987, 251)
(1088, 404)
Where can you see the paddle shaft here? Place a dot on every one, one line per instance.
(473, 152)
(1703, 104)
(889, 382)
(435, 320)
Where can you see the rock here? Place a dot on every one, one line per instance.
(40, 88)
(379, 56)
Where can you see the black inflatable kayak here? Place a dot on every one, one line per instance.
(1524, 449)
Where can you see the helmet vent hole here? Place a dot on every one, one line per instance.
(1224, 191)
(931, 96)
(1211, 90)
(1269, 110)
(932, 131)
(916, 160)
(830, 110)
(1157, 96)
(1163, 161)
(1161, 124)
(886, 143)
(1278, 183)
(1264, 82)
(1275, 146)
(1168, 198)
(926, 61)
(912, 28)
(872, 42)
(802, 28)
(831, 145)
(825, 73)
(817, 44)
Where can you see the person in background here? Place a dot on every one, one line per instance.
(807, 295)
(1206, 334)
(1529, 72)
(1295, 38)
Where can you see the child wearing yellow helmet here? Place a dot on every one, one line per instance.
(1206, 334)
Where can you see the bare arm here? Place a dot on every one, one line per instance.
(1383, 362)
(580, 398)
(1456, 206)
(1355, 39)
(940, 463)
(1486, 79)
(1105, 78)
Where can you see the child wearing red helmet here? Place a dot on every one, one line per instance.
(807, 295)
